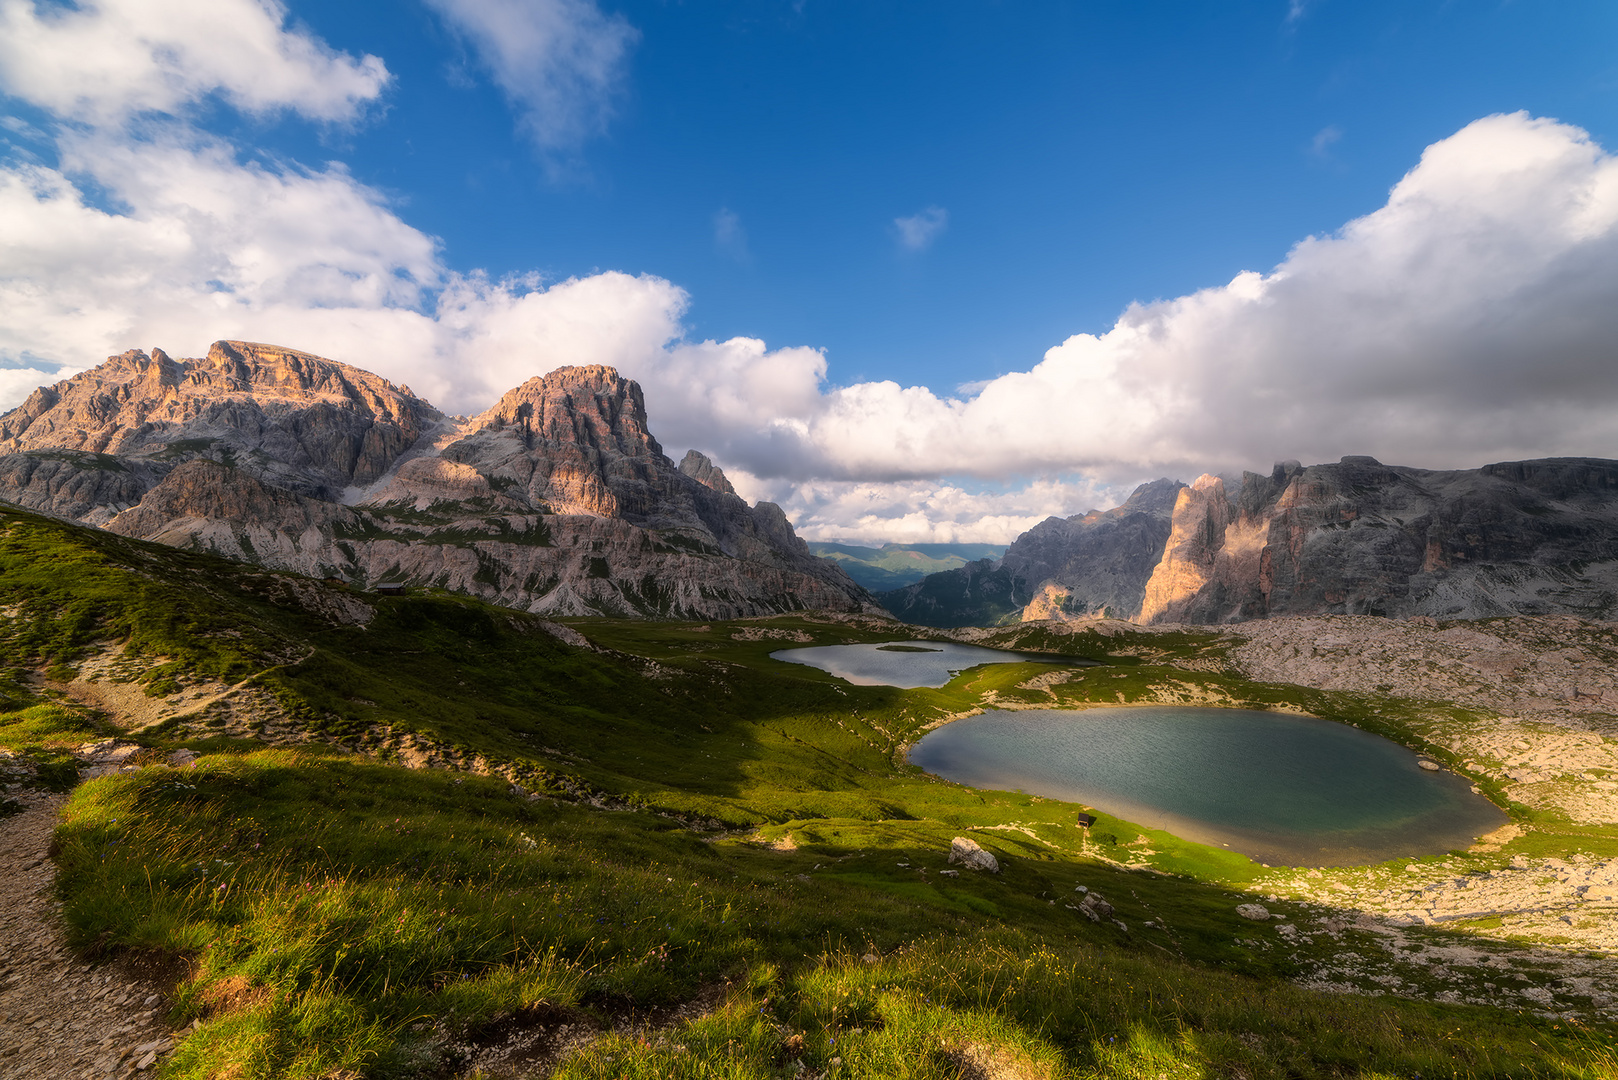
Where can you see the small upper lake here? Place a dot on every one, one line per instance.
(907, 664)
(1286, 790)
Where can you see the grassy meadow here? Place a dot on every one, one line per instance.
(714, 864)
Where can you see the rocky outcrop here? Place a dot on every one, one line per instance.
(967, 852)
(556, 500)
(700, 468)
(1360, 537)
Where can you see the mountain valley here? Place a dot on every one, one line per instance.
(330, 805)
(894, 565)
(554, 810)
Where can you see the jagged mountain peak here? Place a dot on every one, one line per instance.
(1353, 537)
(258, 367)
(556, 499)
(317, 425)
(700, 467)
(590, 405)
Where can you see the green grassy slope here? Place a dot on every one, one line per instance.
(712, 826)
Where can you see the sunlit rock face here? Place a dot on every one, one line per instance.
(558, 499)
(315, 425)
(1360, 537)
(1353, 537)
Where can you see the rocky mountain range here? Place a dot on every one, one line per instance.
(1354, 537)
(556, 500)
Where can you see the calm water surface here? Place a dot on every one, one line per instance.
(907, 664)
(1287, 790)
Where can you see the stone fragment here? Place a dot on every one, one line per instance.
(1256, 912)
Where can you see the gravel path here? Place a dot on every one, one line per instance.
(59, 1016)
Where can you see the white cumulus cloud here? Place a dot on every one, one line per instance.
(925, 511)
(1473, 317)
(560, 63)
(105, 60)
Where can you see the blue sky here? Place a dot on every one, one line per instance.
(1087, 155)
(766, 211)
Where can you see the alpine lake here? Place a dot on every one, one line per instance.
(1281, 788)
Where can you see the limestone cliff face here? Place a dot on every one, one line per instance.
(558, 499)
(1360, 537)
(316, 425)
(1353, 537)
(1211, 560)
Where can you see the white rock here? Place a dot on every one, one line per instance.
(970, 855)
(1256, 912)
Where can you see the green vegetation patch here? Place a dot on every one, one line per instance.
(341, 914)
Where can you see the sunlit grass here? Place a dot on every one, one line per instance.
(342, 914)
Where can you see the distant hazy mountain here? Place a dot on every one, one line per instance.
(1103, 558)
(893, 565)
(556, 500)
(1352, 537)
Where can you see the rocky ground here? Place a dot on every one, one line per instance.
(1555, 670)
(62, 1016)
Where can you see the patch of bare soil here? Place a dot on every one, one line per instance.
(977, 1061)
(532, 1043)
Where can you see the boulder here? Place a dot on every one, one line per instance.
(1256, 912)
(970, 855)
(1095, 907)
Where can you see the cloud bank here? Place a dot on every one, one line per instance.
(1473, 317)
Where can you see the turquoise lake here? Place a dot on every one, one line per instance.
(907, 664)
(1286, 790)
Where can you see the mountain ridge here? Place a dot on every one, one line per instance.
(557, 499)
(1353, 537)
